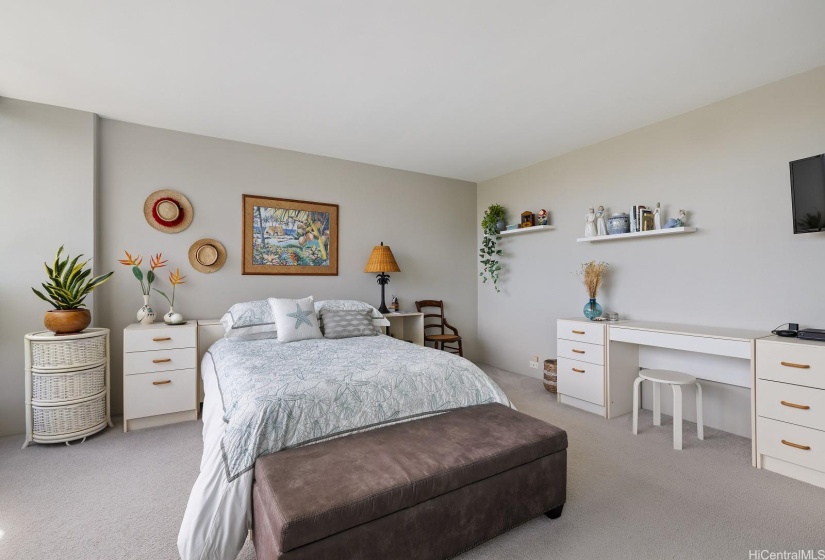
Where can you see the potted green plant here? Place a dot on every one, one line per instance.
(492, 223)
(68, 286)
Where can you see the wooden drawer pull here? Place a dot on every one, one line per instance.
(162, 361)
(164, 382)
(162, 339)
(792, 444)
(578, 370)
(578, 332)
(791, 364)
(578, 351)
(794, 405)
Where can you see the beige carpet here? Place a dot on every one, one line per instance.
(122, 495)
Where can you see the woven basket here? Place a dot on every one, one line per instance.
(550, 376)
(60, 420)
(69, 353)
(68, 385)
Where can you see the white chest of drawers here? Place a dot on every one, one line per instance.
(790, 408)
(159, 374)
(580, 348)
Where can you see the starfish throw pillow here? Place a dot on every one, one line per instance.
(295, 319)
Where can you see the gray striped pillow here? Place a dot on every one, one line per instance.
(347, 323)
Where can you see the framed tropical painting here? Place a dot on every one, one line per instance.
(282, 236)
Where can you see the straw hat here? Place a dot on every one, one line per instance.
(168, 211)
(207, 255)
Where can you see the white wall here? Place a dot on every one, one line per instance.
(727, 164)
(47, 184)
(429, 222)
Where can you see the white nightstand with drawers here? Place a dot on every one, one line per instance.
(790, 408)
(160, 365)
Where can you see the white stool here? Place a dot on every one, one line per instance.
(675, 379)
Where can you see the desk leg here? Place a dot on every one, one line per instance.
(636, 390)
(677, 417)
(700, 423)
(657, 404)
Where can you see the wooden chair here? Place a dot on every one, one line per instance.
(441, 341)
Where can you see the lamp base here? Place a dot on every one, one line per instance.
(383, 279)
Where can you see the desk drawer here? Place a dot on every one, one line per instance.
(797, 364)
(150, 394)
(581, 351)
(592, 333)
(159, 360)
(581, 380)
(771, 434)
(771, 395)
(139, 340)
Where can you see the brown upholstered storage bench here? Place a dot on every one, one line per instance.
(428, 488)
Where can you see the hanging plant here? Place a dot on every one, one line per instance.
(492, 223)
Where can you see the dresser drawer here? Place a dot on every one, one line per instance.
(581, 351)
(798, 364)
(581, 380)
(159, 360)
(791, 403)
(592, 333)
(772, 433)
(161, 338)
(150, 394)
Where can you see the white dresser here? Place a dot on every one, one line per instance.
(580, 349)
(160, 365)
(790, 408)
(67, 385)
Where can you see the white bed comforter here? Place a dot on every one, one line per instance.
(262, 396)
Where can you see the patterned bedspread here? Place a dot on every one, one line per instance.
(277, 396)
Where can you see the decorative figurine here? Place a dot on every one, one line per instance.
(541, 218)
(601, 223)
(590, 223)
(677, 222)
(657, 217)
(528, 219)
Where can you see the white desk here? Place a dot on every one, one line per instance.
(406, 326)
(724, 357)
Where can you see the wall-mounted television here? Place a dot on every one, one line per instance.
(808, 194)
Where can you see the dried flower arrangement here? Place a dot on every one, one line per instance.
(592, 274)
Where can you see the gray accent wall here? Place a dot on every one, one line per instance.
(47, 184)
(727, 165)
(429, 222)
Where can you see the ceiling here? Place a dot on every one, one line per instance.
(469, 89)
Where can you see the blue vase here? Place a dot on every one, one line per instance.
(592, 309)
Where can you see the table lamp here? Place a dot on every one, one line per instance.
(382, 261)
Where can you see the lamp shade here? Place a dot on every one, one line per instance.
(381, 260)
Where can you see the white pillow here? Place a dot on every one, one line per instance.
(378, 320)
(249, 320)
(295, 319)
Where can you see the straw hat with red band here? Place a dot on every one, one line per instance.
(168, 211)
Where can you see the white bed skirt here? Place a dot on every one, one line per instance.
(219, 513)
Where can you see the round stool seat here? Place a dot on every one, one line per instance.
(667, 376)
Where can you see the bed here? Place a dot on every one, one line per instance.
(261, 396)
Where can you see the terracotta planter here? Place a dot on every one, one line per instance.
(67, 321)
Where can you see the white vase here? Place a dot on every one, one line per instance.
(146, 315)
(172, 318)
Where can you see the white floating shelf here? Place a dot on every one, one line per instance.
(526, 230)
(651, 233)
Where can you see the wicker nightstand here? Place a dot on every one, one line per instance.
(67, 385)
